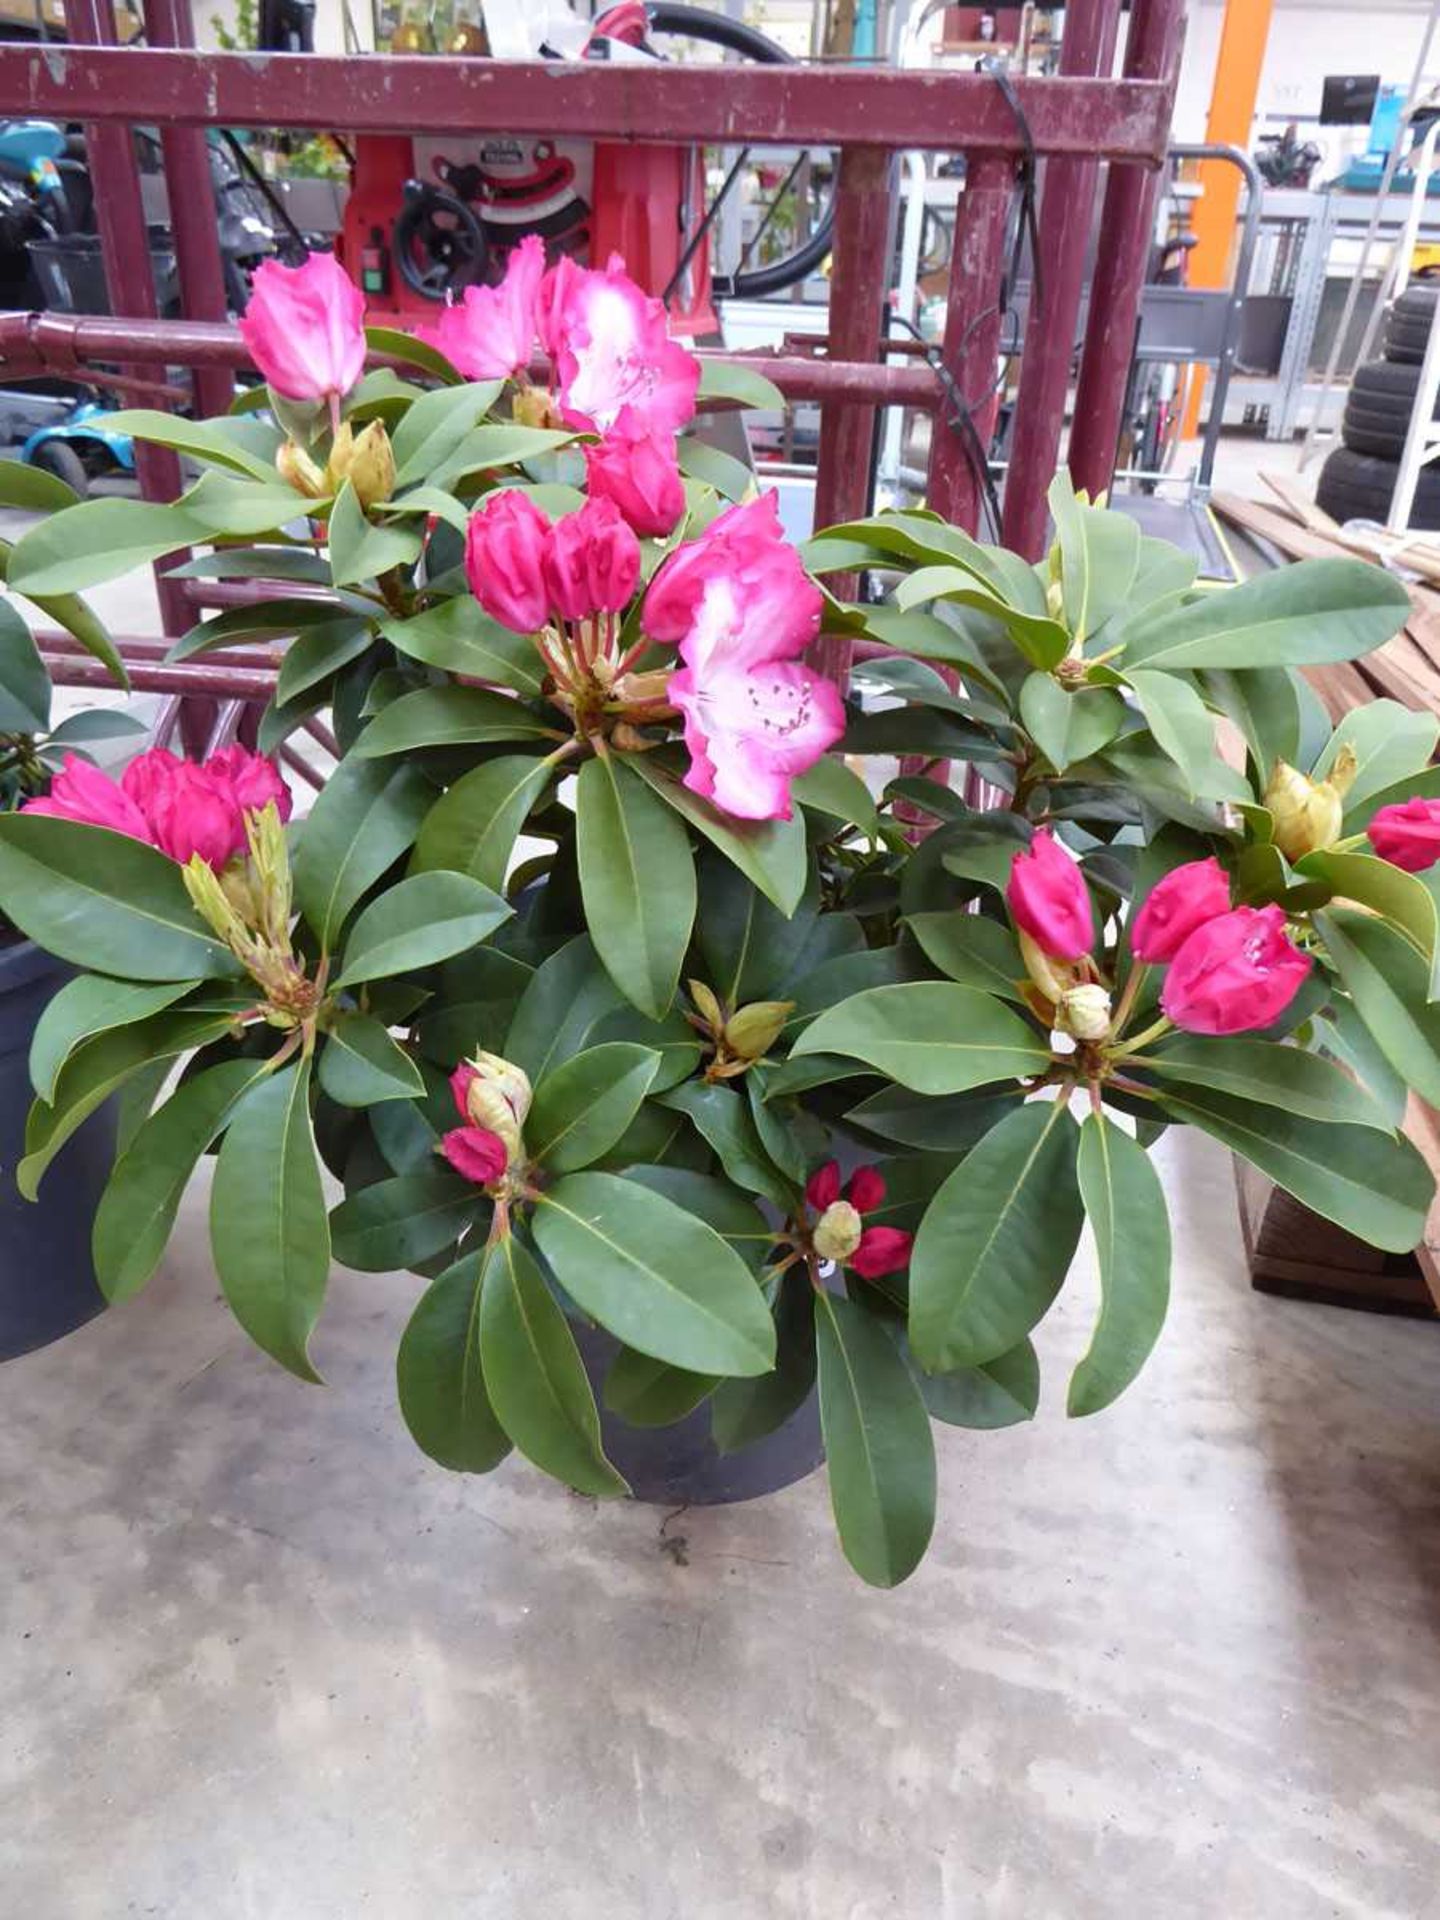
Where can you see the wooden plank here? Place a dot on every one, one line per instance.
(1290, 491)
(1422, 1129)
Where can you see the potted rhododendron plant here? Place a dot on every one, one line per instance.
(704, 1071)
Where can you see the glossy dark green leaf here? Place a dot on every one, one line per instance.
(535, 1377)
(268, 1226)
(84, 1007)
(583, 1106)
(449, 717)
(1388, 981)
(950, 1123)
(1069, 725)
(363, 819)
(673, 1040)
(417, 922)
(361, 1065)
(653, 1275)
(637, 875)
(459, 637)
(1300, 615)
(137, 1210)
(732, 1214)
(361, 549)
(398, 1223)
(748, 945)
(771, 853)
(1375, 1186)
(723, 1116)
(996, 1241)
(1182, 727)
(1264, 704)
(24, 682)
(403, 346)
(879, 1452)
(973, 951)
(830, 787)
(224, 443)
(1002, 1393)
(433, 426)
(98, 540)
(744, 1411)
(648, 1393)
(566, 996)
(1399, 897)
(722, 471)
(103, 900)
(473, 827)
(440, 1378)
(930, 1036)
(320, 651)
(1125, 1205)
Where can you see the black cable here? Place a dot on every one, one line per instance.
(1026, 222)
(961, 419)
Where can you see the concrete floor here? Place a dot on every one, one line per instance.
(260, 1661)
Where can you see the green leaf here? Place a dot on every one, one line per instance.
(24, 683)
(85, 1007)
(215, 441)
(134, 1100)
(485, 448)
(459, 638)
(420, 921)
(1112, 547)
(1043, 641)
(434, 425)
(973, 951)
(448, 717)
(33, 489)
(1069, 518)
(256, 563)
(440, 1378)
(361, 549)
(1388, 981)
(724, 380)
(363, 819)
(770, 853)
(1067, 725)
(942, 1126)
(360, 1065)
(401, 1222)
(276, 619)
(1300, 615)
(653, 1275)
(718, 469)
(1399, 897)
(1346, 1035)
(1375, 1186)
(1424, 786)
(535, 1376)
(1390, 743)
(830, 787)
(673, 1040)
(268, 1229)
(137, 1209)
(996, 1241)
(879, 1452)
(102, 900)
(1264, 704)
(95, 541)
(1273, 1075)
(582, 1107)
(648, 1393)
(749, 947)
(732, 1214)
(473, 827)
(399, 345)
(563, 1001)
(724, 1119)
(320, 651)
(930, 1036)
(743, 1411)
(1002, 1393)
(1183, 729)
(637, 877)
(1125, 1205)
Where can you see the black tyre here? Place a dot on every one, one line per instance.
(61, 459)
(1407, 327)
(1357, 486)
(1378, 408)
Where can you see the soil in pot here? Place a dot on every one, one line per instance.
(47, 1282)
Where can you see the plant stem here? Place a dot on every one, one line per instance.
(1126, 1005)
(1141, 1039)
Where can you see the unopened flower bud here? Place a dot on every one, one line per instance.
(366, 461)
(838, 1231)
(752, 1031)
(1084, 1012)
(535, 407)
(707, 1006)
(1307, 813)
(1054, 978)
(269, 874)
(494, 1094)
(212, 902)
(298, 470)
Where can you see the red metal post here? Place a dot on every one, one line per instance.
(859, 281)
(972, 338)
(185, 150)
(1152, 52)
(1066, 216)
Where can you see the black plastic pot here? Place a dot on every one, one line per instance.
(47, 1283)
(681, 1465)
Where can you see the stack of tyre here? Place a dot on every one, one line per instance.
(1357, 482)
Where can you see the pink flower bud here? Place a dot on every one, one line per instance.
(254, 780)
(1407, 834)
(592, 563)
(1185, 899)
(189, 811)
(1048, 899)
(80, 792)
(881, 1250)
(637, 469)
(866, 1190)
(822, 1189)
(305, 328)
(476, 1154)
(505, 547)
(490, 332)
(1235, 974)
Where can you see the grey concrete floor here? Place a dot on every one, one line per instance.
(260, 1661)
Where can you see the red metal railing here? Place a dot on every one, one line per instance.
(1073, 123)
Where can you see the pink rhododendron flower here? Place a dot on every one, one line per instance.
(490, 332)
(1185, 899)
(1407, 834)
(612, 348)
(841, 1233)
(1235, 974)
(305, 328)
(637, 469)
(742, 606)
(80, 792)
(592, 563)
(476, 1154)
(179, 806)
(1048, 899)
(505, 547)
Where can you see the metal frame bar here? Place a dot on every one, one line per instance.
(1074, 122)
